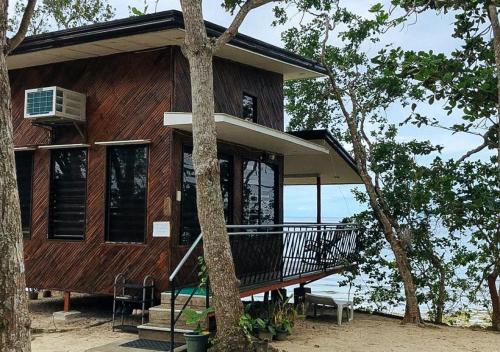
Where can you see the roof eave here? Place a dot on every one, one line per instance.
(160, 21)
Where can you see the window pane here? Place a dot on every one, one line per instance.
(190, 223)
(190, 226)
(24, 171)
(259, 193)
(267, 194)
(249, 107)
(68, 194)
(251, 204)
(126, 199)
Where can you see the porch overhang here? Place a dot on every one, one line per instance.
(336, 167)
(307, 154)
(238, 131)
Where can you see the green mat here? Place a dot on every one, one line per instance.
(188, 290)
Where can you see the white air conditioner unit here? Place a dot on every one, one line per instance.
(54, 105)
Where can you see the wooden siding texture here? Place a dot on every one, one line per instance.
(231, 79)
(127, 95)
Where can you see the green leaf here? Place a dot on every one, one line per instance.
(376, 8)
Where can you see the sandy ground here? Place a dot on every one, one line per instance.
(93, 330)
(378, 334)
(365, 333)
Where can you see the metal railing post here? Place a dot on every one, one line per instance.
(172, 315)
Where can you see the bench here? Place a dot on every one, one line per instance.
(326, 301)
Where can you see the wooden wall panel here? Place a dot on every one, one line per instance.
(231, 79)
(127, 95)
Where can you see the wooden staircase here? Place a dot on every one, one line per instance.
(158, 327)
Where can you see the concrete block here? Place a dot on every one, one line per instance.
(67, 316)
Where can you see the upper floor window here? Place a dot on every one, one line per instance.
(68, 193)
(260, 192)
(24, 171)
(189, 213)
(127, 179)
(249, 107)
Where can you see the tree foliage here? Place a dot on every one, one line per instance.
(405, 181)
(463, 81)
(352, 100)
(50, 15)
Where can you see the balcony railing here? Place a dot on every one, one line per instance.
(265, 254)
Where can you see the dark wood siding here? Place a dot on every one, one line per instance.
(127, 95)
(231, 80)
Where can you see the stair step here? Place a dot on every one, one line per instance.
(161, 332)
(161, 315)
(181, 299)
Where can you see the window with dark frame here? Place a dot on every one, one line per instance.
(126, 187)
(24, 172)
(249, 107)
(189, 214)
(260, 192)
(68, 194)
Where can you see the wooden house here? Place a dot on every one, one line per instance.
(102, 133)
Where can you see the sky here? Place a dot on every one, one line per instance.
(429, 32)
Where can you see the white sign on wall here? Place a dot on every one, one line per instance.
(161, 229)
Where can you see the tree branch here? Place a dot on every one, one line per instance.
(13, 42)
(233, 28)
(473, 151)
(486, 143)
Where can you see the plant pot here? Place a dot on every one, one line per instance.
(265, 336)
(196, 342)
(260, 346)
(281, 335)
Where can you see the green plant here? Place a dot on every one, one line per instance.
(283, 316)
(203, 273)
(196, 318)
(249, 324)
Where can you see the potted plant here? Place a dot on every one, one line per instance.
(197, 341)
(283, 318)
(283, 329)
(267, 332)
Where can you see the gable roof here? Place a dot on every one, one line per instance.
(153, 31)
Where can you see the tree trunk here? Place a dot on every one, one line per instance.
(412, 311)
(438, 319)
(439, 303)
(14, 316)
(495, 300)
(495, 25)
(217, 249)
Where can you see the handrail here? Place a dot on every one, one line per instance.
(302, 248)
(291, 224)
(185, 258)
(281, 232)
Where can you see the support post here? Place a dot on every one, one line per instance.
(318, 218)
(67, 301)
(318, 199)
